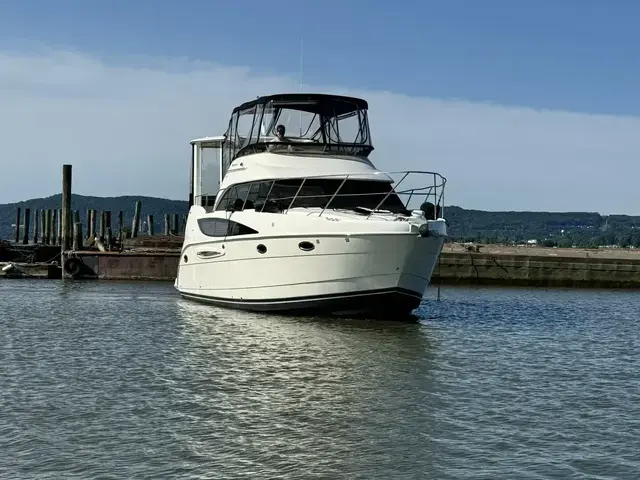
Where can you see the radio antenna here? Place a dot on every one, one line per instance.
(301, 52)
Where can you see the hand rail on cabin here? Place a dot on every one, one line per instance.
(434, 191)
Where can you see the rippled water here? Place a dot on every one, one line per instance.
(117, 380)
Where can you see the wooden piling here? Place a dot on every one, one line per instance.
(108, 238)
(45, 227)
(103, 226)
(175, 225)
(26, 223)
(42, 222)
(167, 223)
(66, 207)
(54, 227)
(59, 230)
(92, 223)
(52, 224)
(120, 226)
(183, 228)
(87, 221)
(17, 232)
(77, 235)
(136, 219)
(150, 227)
(36, 226)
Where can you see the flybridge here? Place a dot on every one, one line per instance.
(301, 124)
(313, 124)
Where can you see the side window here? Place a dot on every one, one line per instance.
(233, 198)
(244, 194)
(226, 201)
(220, 227)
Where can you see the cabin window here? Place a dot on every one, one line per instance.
(314, 193)
(220, 227)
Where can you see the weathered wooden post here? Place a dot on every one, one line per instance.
(42, 222)
(59, 230)
(77, 235)
(150, 229)
(107, 238)
(65, 240)
(36, 226)
(175, 225)
(17, 232)
(92, 223)
(120, 226)
(87, 221)
(54, 227)
(183, 228)
(27, 221)
(52, 231)
(49, 226)
(136, 220)
(45, 226)
(103, 226)
(167, 223)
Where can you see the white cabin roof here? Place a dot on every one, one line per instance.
(209, 142)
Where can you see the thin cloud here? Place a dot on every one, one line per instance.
(125, 125)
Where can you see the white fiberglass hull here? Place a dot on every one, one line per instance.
(356, 273)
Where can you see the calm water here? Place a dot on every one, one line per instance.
(116, 380)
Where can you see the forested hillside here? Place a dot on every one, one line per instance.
(582, 229)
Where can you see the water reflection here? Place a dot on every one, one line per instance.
(299, 386)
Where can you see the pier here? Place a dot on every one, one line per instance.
(54, 243)
(538, 266)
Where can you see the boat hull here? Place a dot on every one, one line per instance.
(365, 274)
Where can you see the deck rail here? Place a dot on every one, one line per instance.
(430, 189)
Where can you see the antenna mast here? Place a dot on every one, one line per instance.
(301, 51)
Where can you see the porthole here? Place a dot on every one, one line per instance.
(261, 248)
(186, 259)
(306, 246)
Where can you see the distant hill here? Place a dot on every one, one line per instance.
(157, 207)
(582, 229)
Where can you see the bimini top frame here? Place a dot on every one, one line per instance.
(315, 124)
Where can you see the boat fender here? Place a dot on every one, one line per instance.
(423, 230)
(73, 266)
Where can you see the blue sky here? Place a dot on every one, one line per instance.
(492, 85)
(579, 55)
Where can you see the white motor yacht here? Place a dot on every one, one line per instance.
(291, 215)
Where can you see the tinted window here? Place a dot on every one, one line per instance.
(314, 193)
(219, 227)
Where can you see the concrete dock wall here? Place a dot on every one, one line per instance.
(559, 270)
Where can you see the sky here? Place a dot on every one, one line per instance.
(522, 106)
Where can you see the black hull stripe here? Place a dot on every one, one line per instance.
(392, 303)
(293, 300)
